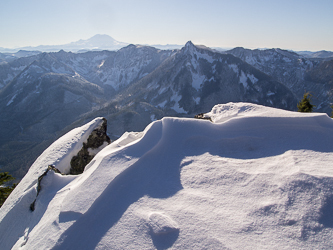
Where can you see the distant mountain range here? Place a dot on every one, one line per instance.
(105, 42)
(318, 54)
(44, 95)
(95, 43)
(297, 73)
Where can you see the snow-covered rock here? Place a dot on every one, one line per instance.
(161, 224)
(254, 178)
(257, 177)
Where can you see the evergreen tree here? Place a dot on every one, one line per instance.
(5, 190)
(332, 111)
(305, 104)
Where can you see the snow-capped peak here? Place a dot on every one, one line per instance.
(189, 44)
(189, 47)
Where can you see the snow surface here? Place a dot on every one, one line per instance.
(162, 104)
(254, 178)
(197, 80)
(196, 100)
(176, 98)
(153, 118)
(234, 67)
(243, 79)
(11, 100)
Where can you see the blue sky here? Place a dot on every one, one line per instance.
(286, 24)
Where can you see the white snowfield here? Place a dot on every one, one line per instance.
(254, 178)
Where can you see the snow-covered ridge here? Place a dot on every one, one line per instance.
(60, 153)
(224, 112)
(255, 177)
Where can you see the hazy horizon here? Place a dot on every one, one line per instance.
(294, 25)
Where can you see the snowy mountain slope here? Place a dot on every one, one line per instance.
(130, 64)
(9, 57)
(317, 54)
(323, 73)
(197, 78)
(294, 71)
(9, 69)
(36, 105)
(256, 178)
(58, 154)
(52, 90)
(116, 69)
(287, 67)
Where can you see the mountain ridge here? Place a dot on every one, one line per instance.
(96, 43)
(294, 71)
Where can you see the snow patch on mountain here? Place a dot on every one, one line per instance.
(162, 90)
(252, 78)
(11, 100)
(37, 69)
(162, 104)
(234, 67)
(153, 117)
(196, 100)
(243, 79)
(197, 81)
(176, 98)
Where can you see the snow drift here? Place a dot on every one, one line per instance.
(254, 178)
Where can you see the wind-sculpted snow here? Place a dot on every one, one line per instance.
(254, 178)
(59, 154)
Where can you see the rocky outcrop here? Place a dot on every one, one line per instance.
(202, 116)
(97, 140)
(50, 167)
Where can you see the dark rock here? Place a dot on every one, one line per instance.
(201, 116)
(95, 141)
(50, 167)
